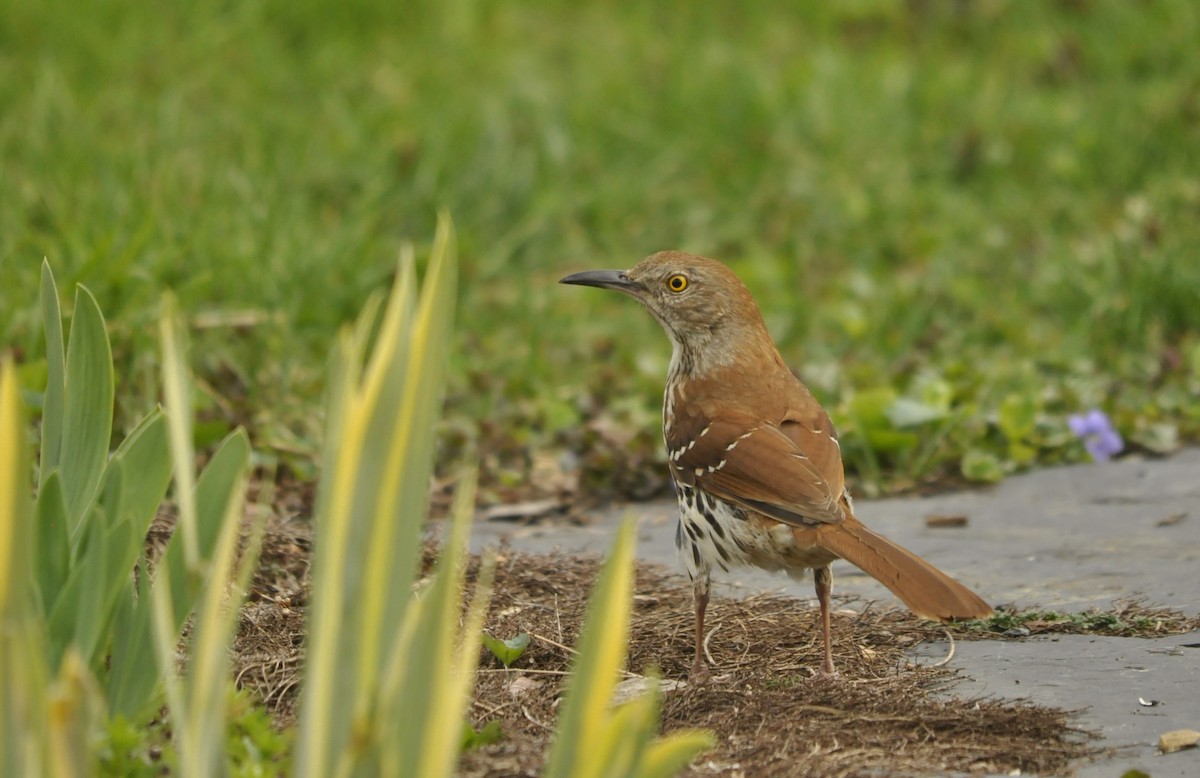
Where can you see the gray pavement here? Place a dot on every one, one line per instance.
(1065, 538)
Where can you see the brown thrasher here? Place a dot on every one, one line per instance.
(755, 459)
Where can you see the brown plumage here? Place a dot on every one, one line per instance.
(754, 457)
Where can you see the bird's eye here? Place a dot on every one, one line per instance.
(677, 283)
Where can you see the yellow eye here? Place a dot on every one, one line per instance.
(677, 283)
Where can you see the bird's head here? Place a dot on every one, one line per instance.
(705, 309)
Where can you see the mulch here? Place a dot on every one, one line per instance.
(884, 714)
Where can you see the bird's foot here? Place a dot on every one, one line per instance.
(699, 674)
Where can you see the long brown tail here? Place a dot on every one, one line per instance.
(927, 591)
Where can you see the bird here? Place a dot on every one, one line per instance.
(754, 458)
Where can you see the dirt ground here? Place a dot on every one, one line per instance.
(771, 714)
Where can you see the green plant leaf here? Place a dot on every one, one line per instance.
(198, 715)
(600, 654)
(870, 412)
(209, 432)
(936, 392)
(76, 708)
(1018, 414)
(670, 754)
(1021, 453)
(110, 492)
(906, 412)
(216, 483)
(24, 700)
(200, 573)
(122, 544)
(15, 540)
(371, 505)
(141, 466)
(430, 638)
(485, 736)
(88, 408)
(507, 651)
(870, 406)
(617, 746)
(1161, 437)
(177, 383)
(53, 546)
(891, 441)
(81, 616)
(52, 402)
(1051, 433)
(979, 465)
(130, 687)
(81, 595)
(144, 457)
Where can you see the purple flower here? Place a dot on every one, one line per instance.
(1096, 431)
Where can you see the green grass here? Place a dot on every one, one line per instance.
(992, 209)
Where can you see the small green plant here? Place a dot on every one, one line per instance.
(128, 750)
(486, 735)
(507, 651)
(1130, 620)
(254, 747)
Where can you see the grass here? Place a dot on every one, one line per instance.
(963, 221)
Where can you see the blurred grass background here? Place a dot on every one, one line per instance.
(963, 220)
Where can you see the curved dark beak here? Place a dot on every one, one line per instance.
(605, 279)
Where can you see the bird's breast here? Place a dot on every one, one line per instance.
(716, 535)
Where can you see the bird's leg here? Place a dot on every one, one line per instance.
(699, 673)
(823, 579)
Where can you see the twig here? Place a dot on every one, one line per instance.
(525, 711)
(491, 710)
(521, 670)
(707, 638)
(950, 654)
(568, 649)
(944, 660)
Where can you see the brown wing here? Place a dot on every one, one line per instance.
(784, 471)
(809, 427)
